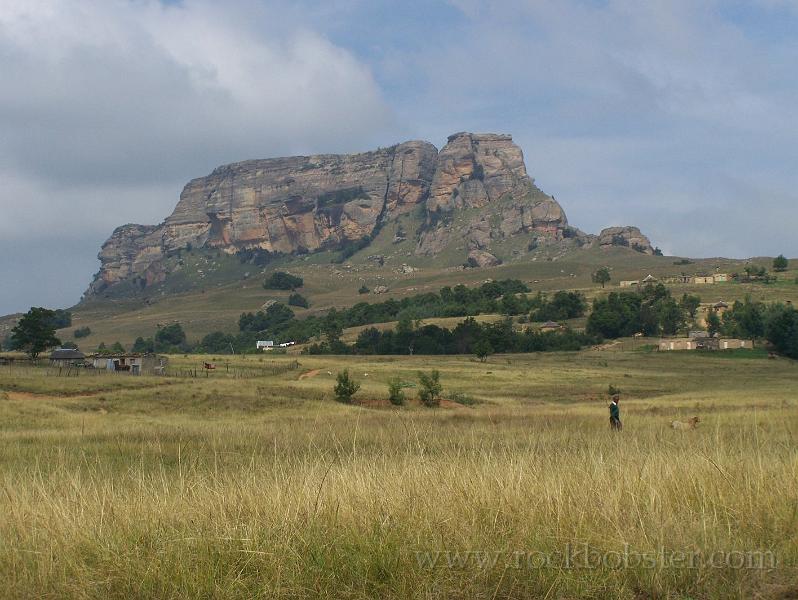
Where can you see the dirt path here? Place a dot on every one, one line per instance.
(309, 374)
(32, 396)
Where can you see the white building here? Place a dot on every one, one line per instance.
(265, 345)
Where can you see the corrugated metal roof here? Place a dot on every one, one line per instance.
(67, 354)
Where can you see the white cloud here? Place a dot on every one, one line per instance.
(109, 106)
(667, 114)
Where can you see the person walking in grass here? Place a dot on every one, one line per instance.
(615, 413)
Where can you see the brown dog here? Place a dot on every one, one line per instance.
(685, 425)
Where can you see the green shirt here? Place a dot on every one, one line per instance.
(615, 412)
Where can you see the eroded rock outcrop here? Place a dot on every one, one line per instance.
(628, 237)
(482, 193)
(474, 196)
(481, 258)
(284, 205)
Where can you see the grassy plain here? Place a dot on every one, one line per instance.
(254, 482)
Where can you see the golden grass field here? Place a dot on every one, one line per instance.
(242, 486)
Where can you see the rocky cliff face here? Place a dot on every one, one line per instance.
(473, 194)
(476, 172)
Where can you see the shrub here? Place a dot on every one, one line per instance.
(430, 391)
(296, 299)
(280, 280)
(363, 290)
(613, 391)
(350, 247)
(780, 263)
(395, 393)
(463, 398)
(345, 387)
(619, 240)
(482, 349)
(82, 332)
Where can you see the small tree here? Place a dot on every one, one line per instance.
(690, 304)
(144, 346)
(395, 393)
(35, 332)
(363, 290)
(430, 391)
(117, 348)
(170, 337)
(602, 276)
(345, 387)
(713, 323)
(671, 317)
(482, 349)
(780, 263)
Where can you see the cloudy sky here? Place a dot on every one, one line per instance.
(679, 116)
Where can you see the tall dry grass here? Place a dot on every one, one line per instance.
(276, 492)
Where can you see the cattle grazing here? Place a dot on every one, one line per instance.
(685, 425)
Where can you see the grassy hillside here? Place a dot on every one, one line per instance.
(212, 289)
(246, 487)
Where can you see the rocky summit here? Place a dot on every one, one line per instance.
(472, 200)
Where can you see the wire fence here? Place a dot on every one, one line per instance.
(226, 370)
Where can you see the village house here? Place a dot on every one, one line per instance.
(704, 343)
(720, 307)
(264, 345)
(698, 279)
(628, 284)
(550, 326)
(66, 357)
(132, 363)
(706, 309)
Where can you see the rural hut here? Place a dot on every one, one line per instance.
(66, 357)
(132, 363)
(550, 326)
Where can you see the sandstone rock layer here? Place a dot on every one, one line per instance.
(474, 193)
